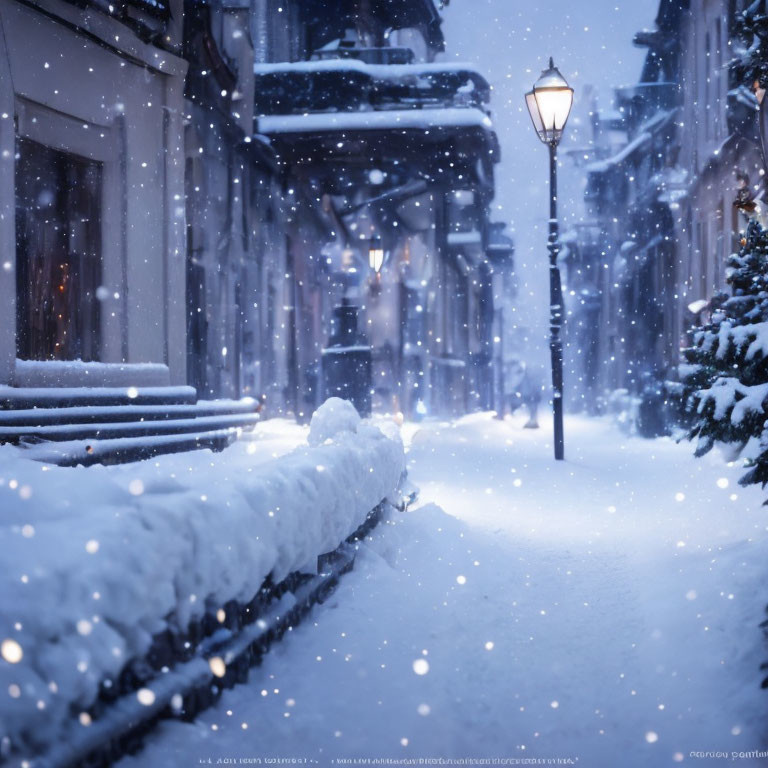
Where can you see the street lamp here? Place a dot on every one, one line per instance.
(549, 104)
(375, 254)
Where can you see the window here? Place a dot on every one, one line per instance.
(721, 80)
(709, 107)
(58, 254)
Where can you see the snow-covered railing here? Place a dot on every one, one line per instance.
(403, 119)
(378, 71)
(74, 373)
(125, 587)
(69, 426)
(346, 84)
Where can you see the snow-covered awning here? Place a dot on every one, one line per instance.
(385, 120)
(350, 83)
(472, 237)
(378, 71)
(612, 162)
(444, 144)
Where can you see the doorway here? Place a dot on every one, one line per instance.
(58, 254)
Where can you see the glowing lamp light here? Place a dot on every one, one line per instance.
(549, 104)
(376, 254)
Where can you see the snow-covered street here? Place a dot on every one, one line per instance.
(602, 610)
(278, 280)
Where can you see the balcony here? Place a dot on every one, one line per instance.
(126, 9)
(382, 55)
(365, 79)
(424, 120)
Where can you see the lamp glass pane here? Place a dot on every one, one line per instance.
(564, 103)
(533, 111)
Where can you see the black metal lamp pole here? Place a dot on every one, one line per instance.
(549, 104)
(759, 92)
(555, 307)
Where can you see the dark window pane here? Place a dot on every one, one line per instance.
(58, 254)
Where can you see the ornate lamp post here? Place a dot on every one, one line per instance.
(549, 104)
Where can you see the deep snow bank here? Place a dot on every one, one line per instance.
(602, 609)
(94, 562)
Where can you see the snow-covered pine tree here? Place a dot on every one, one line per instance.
(727, 374)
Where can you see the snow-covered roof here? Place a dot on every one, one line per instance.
(404, 119)
(603, 165)
(642, 138)
(627, 246)
(673, 196)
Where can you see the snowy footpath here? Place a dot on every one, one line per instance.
(597, 612)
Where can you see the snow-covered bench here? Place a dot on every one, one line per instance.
(128, 591)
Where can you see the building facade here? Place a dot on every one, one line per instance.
(660, 169)
(399, 150)
(91, 106)
(192, 188)
(236, 270)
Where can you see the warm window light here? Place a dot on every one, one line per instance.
(549, 104)
(376, 254)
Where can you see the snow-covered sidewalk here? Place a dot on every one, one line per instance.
(602, 610)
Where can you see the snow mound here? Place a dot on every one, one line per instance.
(96, 561)
(332, 418)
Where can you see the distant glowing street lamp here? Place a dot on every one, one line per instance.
(549, 104)
(375, 254)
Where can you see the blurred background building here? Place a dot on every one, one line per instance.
(659, 169)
